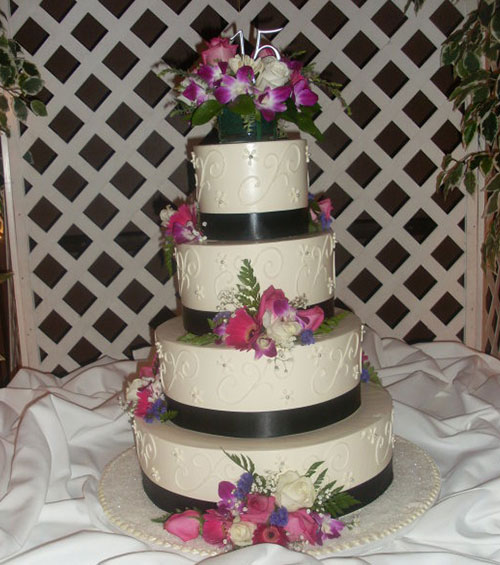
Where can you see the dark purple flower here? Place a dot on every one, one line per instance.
(220, 322)
(365, 375)
(243, 485)
(307, 337)
(279, 517)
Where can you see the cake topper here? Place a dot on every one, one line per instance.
(258, 46)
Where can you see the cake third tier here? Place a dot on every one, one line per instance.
(220, 390)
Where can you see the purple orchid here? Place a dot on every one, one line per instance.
(212, 74)
(232, 87)
(273, 101)
(303, 95)
(264, 346)
(195, 93)
(184, 233)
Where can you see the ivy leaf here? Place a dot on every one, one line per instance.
(471, 62)
(30, 69)
(480, 94)
(494, 184)
(205, 112)
(38, 108)
(20, 109)
(469, 132)
(6, 75)
(450, 53)
(31, 85)
(492, 206)
(486, 165)
(489, 127)
(470, 182)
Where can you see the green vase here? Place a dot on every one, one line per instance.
(231, 128)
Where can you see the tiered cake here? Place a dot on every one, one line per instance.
(285, 412)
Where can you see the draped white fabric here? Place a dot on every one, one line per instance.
(57, 435)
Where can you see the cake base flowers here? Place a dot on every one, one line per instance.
(288, 509)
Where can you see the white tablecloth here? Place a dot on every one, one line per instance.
(56, 436)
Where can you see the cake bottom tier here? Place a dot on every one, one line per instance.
(182, 468)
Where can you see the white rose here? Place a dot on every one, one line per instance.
(274, 74)
(132, 389)
(166, 214)
(241, 533)
(282, 332)
(294, 491)
(238, 61)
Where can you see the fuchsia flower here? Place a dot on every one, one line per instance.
(302, 94)
(242, 330)
(311, 319)
(182, 224)
(325, 216)
(195, 93)
(211, 73)
(274, 301)
(185, 526)
(142, 407)
(329, 528)
(231, 87)
(273, 101)
(219, 49)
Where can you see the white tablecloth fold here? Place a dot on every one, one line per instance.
(57, 435)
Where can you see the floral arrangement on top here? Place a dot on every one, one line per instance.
(289, 509)
(265, 86)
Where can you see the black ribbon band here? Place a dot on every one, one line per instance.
(255, 226)
(273, 423)
(196, 321)
(169, 501)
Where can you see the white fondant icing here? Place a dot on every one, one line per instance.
(228, 379)
(298, 265)
(251, 177)
(345, 448)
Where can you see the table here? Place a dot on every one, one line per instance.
(57, 435)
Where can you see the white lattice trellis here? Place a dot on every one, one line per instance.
(88, 272)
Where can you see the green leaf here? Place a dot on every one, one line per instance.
(4, 103)
(243, 105)
(495, 25)
(449, 53)
(455, 176)
(494, 184)
(480, 94)
(469, 132)
(329, 324)
(20, 109)
(193, 339)
(307, 125)
(486, 165)
(205, 112)
(472, 62)
(4, 277)
(7, 74)
(38, 108)
(492, 206)
(312, 469)
(485, 11)
(242, 461)
(32, 85)
(470, 182)
(489, 127)
(30, 69)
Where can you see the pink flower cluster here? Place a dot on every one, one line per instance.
(181, 224)
(321, 212)
(224, 76)
(276, 325)
(245, 518)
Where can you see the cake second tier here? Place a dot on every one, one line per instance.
(299, 266)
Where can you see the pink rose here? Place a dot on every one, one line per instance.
(219, 50)
(311, 319)
(301, 525)
(259, 508)
(185, 526)
(215, 527)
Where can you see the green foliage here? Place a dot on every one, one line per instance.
(203, 339)
(329, 324)
(242, 461)
(473, 51)
(205, 112)
(20, 81)
(249, 289)
(168, 415)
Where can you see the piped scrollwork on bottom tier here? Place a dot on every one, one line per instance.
(169, 501)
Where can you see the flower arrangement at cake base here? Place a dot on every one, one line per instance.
(288, 509)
